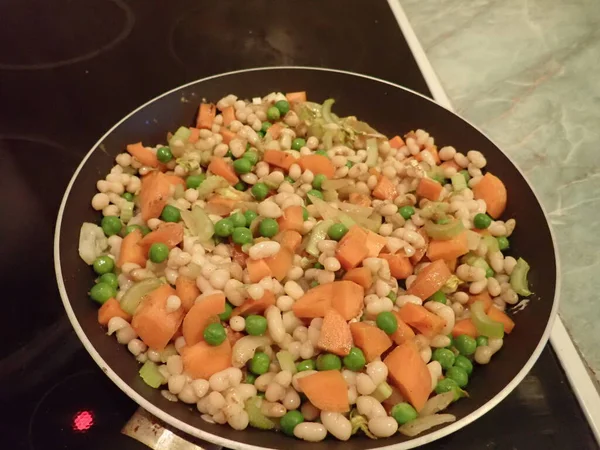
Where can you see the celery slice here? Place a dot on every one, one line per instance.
(150, 374)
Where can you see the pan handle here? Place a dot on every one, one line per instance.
(157, 435)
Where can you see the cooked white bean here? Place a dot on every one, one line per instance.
(136, 347)
(309, 411)
(176, 384)
(291, 400)
(237, 323)
(310, 431)
(256, 291)
(263, 381)
(285, 303)
(200, 387)
(370, 407)
(126, 335)
(269, 209)
(274, 392)
(483, 354)
(187, 395)
(402, 300)
(445, 313)
(364, 384)
(338, 425)
(175, 365)
(377, 371)
(441, 340)
(264, 249)
(383, 426)
(425, 354)
(477, 287)
(435, 371)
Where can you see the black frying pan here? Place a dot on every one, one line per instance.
(391, 109)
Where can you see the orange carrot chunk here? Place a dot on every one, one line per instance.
(288, 238)
(500, 316)
(352, 248)
(483, 297)
(450, 249)
(280, 263)
(492, 190)
(111, 308)
(361, 276)
(200, 315)
(359, 199)
(397, 142)
(347, 298)
(220, 167)
(154, 193)
(403, 333)
(375, 244)
(292, 219)
(318, 165)
(430, 279)
(296, 97)
(143, 155)
(432, 151)
(131, 251)
(278, 158)
(257, 269)
(228, 115)
(409, 373)
(203, 360)
(187, 291)
(370, 339)
(420, 252)
(206, 116)
(384, 189)
(400, 266)
(275, 130)
(429, 189)
(175, 180)
(335, 336)
(251, 306)
(327, 390)
(219, 205)
(153, 323)
(464, 326)
(421, 319)
(315, 302)
(228, 135)
(168, 233)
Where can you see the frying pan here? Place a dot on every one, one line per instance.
(389, 108)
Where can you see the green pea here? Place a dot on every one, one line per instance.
(321, 152)
(403, 413)
(224, 227)
(442, 221)
(444, 356)
(242, 166)
(439, 297)
(228, 154)
(260, 191)
(110, 279)
(307, 364)
(170, 214)
(503, 243)
(250, 216)
(392, 296)
(482, 221)
(103, 264)
(290, 420)
(268, 227)
(406, 211)
(194, 181)
(250, 378)
(283, 106)
(215, 334)
(238, 219)
(304, 214)
(337, 231)
(298, 143)
(265, 126)
(261, 133)
(227, 314)
(256, 325)
(329, 361)
(145, 230)
(111, 225)
(448, 385)
(318, 180)
(489, 272)
(158, 252)
(314, 283)
(130, 228)
(164, 154)
(289, 179)
(314, 193)
(273, 113)
(240, 186)
(251, 156)
(465, 344)
(464, 363)
(101, 292)
(349, 164)
(128, 196)
(259, 363)
(318, 265)
(481, 341)
(241, 235)
(459, 375)
(465, 174)
(355, 360)
(387, 322)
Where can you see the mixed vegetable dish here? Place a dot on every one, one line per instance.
(284, 268)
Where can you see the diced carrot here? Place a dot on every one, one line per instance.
(385, 189)
(143, 155)
(451, 263)
(464, 326)
(279, 158)
(492, 190)
(409, 373)
(111, 308)
(251, 306)
(370, 339)
(203, 360)
(131, 251)
(483, 297)
(432, 151)
(315, 302)
(451, 164)
(219, 205)
(397, 142)
(500, 316)
(449, 249)
(347, 298)
(228, 115)
(154, 194)
(194, 135)
(280, 263)
(257, 269)
(238, 256)
(420, 252)
(375, 171)
(326, 390)
(375, 243)
(153, 323)
(228, 135)
(335, 336)
(317, 164)
(168, 233)
(288, 238)
(359, 199)
(219, 166)
(275, 130)
(430, 279)
(292, 219)
(429, 189)
(400, 266)
(421, 319)
(296, 97)
(175, 180)
(361, 276)
(352, 248)
(403, 333)
(206, 116)
(204, 312)
(187, 291)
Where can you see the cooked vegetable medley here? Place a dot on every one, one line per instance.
(283, 268)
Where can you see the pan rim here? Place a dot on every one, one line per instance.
(197, 432)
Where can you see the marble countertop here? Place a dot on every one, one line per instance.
(526, 72)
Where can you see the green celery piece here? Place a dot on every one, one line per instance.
(518, 278)
(255, 417)
(318, 233)
(150, 374)
(485, 326)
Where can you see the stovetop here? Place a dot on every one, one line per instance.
(68, 71)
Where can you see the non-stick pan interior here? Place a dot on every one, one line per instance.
(389, 109)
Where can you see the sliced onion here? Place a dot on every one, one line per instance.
(330, 196)
(360, 210)
(437, 404)
(92, 242)
(244, 349)
(417, 426)
(334, 185)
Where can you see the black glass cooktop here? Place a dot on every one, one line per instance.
(68, 71)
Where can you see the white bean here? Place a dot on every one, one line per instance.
(310, 431)
(370, 407)
(383, 426)
(402, 300)
(291, 400)
(274, 392)
(263, 381)
(200, 387)
(275, 323)
(269, 209)
(445, 313)
(136, 347)
(441, 340)
(483, 354)
(364, 384)
(175, 365)
(309, 411)
(338, 425)
(435, 371)
(264, 249)
(176, 384)
(378, 371)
